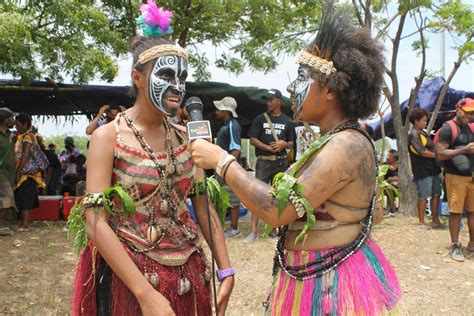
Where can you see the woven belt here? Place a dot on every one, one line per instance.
(272, 158)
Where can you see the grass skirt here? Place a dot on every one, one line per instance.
(364, 284)
(122, 302)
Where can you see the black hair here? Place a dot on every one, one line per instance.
(138, 45)
(394, 154)
(24, 118)
(357, 57)
(417, 114)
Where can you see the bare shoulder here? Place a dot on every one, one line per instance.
(103, 138)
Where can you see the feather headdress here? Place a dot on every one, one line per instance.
(154, 21)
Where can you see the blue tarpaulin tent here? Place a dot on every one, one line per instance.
(426, 99)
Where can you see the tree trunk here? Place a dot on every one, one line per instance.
(408, 192)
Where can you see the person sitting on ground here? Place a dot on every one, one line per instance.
(228, 138)
(426, 173)
(392, 177)
(110, 114)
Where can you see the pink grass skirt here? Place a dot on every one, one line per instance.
(364, 284)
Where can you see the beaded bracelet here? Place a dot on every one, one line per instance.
(295, 200)
(93, 200)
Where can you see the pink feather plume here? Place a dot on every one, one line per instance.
(154, 15)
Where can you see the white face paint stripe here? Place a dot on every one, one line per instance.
(157, 87)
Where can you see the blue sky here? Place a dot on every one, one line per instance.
(408, 68)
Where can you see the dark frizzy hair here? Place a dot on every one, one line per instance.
(357, 57)
(417, 114)
(24, 118)
(138, 45)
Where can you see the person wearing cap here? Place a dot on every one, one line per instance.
(456, 148)
(228, 138)
(271, 143)
(7, 167)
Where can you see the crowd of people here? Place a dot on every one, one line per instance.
(148, 258)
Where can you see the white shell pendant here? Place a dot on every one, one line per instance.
(164, 206)
(183, 285)
(153, 233)
(154, 280)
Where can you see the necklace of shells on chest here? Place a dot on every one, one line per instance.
(167, 207)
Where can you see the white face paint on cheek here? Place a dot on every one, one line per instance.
(299, 88)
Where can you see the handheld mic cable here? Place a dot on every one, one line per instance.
(195, 107)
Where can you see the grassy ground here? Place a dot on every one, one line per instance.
(37, 268)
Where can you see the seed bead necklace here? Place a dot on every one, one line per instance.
(166, 207)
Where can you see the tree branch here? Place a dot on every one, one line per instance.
(386, 26)
(421, 77)
(357, 12)
(439, 102)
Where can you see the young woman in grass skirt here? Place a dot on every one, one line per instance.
(149, 261)
(326, 204)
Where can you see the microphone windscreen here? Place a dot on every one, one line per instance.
(194, 107)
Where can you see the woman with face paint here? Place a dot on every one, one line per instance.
(326, 204)
(150, 262)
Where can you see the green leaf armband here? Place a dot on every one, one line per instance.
(218, 196)
(76, 221)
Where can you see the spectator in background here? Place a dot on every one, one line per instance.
(456, 149)
(272, 133)
(181, 116)
(426, 173)
(392, 177)
(110, 114)
(26, 186)
(228, 138)
(69, 151)
(7, 167)
(53, 173)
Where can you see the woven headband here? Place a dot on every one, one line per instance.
(161, 50)
(316, 63)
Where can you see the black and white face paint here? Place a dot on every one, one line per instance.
(167, 79)
(299, 88)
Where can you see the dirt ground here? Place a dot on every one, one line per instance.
(36, 270)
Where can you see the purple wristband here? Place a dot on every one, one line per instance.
(222, 274)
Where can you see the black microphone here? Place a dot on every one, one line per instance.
(194, 107)
(197, 127)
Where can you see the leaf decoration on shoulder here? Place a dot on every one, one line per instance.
(106, 200)
(217, 195)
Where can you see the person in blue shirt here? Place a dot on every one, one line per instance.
(228, 138)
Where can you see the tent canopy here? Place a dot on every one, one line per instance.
(47, 98)
(426, 99)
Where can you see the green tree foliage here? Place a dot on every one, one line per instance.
(83, 39)
(55, 38)
(389, 19)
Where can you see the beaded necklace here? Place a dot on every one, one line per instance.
(167, 208)
(335, 257)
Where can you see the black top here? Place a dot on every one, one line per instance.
(460, 165)
(261, 130)
(422, 167)
(229, 135)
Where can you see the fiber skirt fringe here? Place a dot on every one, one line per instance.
(122, 302)
(364, 284)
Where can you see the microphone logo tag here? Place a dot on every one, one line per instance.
(199, 129)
